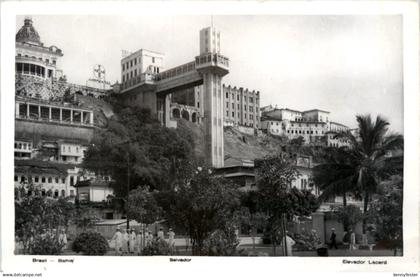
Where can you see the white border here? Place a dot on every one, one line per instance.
(206, 265)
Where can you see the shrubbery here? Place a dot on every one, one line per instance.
(157, 247)
(90, 243)
(222, 243)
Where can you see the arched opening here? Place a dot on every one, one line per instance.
(176, 113)
(63, 193)
(56, 193)
(194, 117)
(185, 115)
(79, 92)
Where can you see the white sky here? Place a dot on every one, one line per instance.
(347, 65)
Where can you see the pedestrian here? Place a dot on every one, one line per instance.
(118, 239)
(132, 241)
(62, 239)
(352, 240)
(139, 243)
(289, 244)
(333, 241)
(160, 234)
(125, 240)
(171, 239)
(149, 238)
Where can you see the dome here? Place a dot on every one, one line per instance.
(28, 33)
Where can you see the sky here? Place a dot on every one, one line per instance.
(345, 64)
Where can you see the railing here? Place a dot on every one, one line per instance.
(211, 59)
(141, 79)
(32, 59)
(175, 72)
(63, 121)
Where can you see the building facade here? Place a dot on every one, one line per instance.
(314, 126)
(52, 129)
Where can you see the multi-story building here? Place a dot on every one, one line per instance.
(52, 132)
(314, 126)
(241, 107)
(140, 66)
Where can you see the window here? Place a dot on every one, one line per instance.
(227, 94)
(36, 179)
(68, 148)
(227, 105)
(233, 96)
(63, 180)
(56, 180)
(272, 123)
(49, 180)
(233, 114)
(71, 192)
(233, 106)
(153, 59)
(123, 67)
(43, 180)
(238, 97)
(227, 113)
(16, 178)
(251, 99)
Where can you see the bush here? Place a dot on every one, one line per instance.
(222, 243)
(45, 245)
(157, 247)
(90, 243)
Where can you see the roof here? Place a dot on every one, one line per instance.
(41, 167)
(314, 110)
(309, 122)
(332, 122)
(27, 33)
(93, 183)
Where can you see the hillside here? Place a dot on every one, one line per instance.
(237, 144)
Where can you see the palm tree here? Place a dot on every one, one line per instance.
(335, 176)
(371, 150)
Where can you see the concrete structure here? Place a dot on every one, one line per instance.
(153, 90)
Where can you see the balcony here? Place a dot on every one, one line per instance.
(212, 60)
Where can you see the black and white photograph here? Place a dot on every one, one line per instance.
(207, 134)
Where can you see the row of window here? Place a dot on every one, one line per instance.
(251, 99)
(63, 149)
(42, 179)
(133, 62)
(251, 116)
(303, 132)
(49, 193)
(40, 59)
(23, 145)
(251, 108)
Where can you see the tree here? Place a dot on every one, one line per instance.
(349, 215)
(136, 145)
(201, 205)
(276, 197)
(335, 175)
(386, 211)
(36, 218)
(371, 150)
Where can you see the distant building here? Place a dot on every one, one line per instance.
(241, 107)
(139, 67)
(314, 126)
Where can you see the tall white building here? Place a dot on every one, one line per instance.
(140, 66)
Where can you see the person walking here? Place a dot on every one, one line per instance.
(118, 239)
(333, 241)
(160, 234)
(352, 240)
(62, 239)
(125, 240)
(139, 243)
(149, 238)
(132, 241)
(171, 240)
